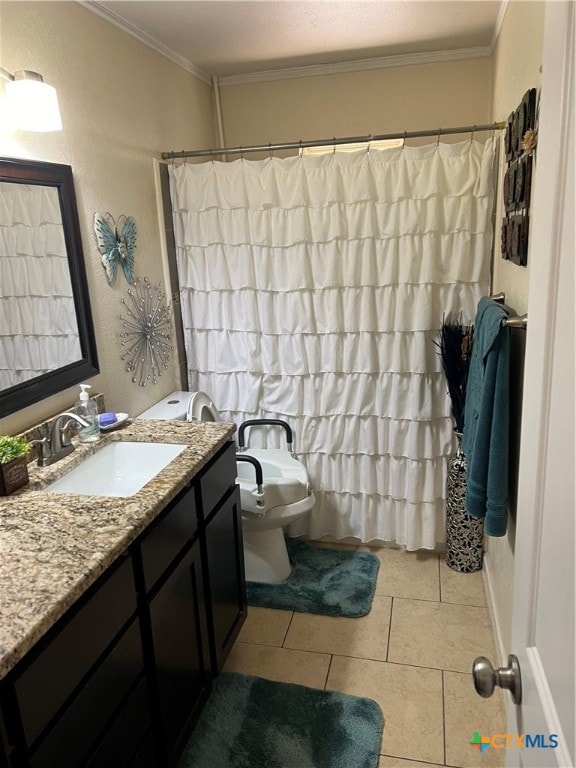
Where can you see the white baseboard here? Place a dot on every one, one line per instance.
(501, 651)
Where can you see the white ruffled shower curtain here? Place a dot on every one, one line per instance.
(38, 327)
(312, 289)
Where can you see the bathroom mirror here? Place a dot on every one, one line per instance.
(47, 338)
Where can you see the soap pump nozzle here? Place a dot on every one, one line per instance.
(84, 396)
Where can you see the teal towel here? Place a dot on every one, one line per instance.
(486, 418)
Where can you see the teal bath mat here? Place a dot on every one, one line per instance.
(249, 722)
(328, 582)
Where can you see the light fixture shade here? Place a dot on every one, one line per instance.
(34, 103)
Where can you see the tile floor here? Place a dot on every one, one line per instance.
(412, 653)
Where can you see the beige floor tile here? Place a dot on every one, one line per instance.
(407, 574)
(366, 637)
(398, 762)
(439, 635)
(463, 588)
(265, 626)
(279, 664)
(465, 713)
(410, 698)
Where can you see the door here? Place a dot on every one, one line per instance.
(544, 593)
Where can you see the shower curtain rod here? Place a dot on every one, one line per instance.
(332, 142)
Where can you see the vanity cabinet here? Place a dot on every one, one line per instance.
(218, 503)
(120, 680)
(225, 572)
(170, 580)
(64, 694)
(182, 662)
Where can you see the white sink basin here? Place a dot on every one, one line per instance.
(118, 469)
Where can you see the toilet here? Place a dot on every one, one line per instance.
(274, 487)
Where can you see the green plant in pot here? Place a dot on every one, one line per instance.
(13, 463)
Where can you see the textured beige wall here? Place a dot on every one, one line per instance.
(517, 61)
(356, 104)
(121, 104)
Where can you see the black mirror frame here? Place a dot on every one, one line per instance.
(59, 176)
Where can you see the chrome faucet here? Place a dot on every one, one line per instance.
(59, 444)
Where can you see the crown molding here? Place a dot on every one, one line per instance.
(143, 37)
(498, 25)
(383, 62)
(288, 73)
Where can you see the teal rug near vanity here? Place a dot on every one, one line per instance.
(324, 581)
(249, 722)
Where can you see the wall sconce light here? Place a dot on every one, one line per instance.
(33, 102)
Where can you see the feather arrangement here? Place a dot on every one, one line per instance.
(455, 341)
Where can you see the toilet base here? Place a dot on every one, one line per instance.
(266, 556)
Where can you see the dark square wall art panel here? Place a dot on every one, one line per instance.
(520, 142)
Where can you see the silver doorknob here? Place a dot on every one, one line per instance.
(486, 678)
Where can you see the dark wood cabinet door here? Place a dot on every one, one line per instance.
(49, 677)
(123, 741)
(217, 479)
(179, 641)
(98, 705)
(172, 531)
(226, 579)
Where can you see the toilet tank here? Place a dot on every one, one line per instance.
(174, 406)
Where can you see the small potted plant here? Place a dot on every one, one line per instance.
(13, 463)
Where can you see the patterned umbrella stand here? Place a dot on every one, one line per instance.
(464, 534)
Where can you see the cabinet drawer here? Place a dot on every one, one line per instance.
(55, 671)
(120, 745)
(218, 479)
(78, 729)
(170, 533)
(145, 756)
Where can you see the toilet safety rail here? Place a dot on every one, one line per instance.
(260, 422)
(257, 467)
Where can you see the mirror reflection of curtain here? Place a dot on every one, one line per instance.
(312, 290)
(38, 328)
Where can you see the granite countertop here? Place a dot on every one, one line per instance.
(54, 546)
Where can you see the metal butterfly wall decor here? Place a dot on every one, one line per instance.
(116, 243)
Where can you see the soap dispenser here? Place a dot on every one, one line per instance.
(87, 409)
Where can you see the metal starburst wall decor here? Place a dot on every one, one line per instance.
(146, 332)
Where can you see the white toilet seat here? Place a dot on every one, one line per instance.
(286, 490)
(285, 497)
(201, 408)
